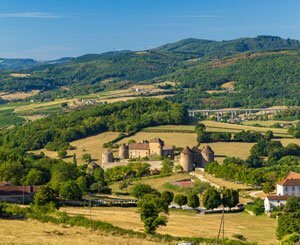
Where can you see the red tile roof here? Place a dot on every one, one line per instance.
(278, 198)
(292, 179)
(139, 146)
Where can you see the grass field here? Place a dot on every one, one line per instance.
(260, 229)
(19, 95)
(265, 123)
(157, 183)
(92, 145)
(33, 232)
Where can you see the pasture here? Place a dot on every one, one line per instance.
(260, 229)
(34, 232)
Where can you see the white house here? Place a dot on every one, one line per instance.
(286, 188)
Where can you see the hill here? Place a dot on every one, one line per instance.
(198, 66)
(220, 49)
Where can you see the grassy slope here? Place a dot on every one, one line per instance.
(259, 229)
(33, 232)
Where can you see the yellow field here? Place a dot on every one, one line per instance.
(285, 141)
(177, 139)
(220, 126)
(92, 145)
(19, 95)
(20, 75)
(33, 232)
(259, 229)
(267, 123)
(228, 85)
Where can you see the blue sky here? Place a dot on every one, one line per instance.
(49, 29)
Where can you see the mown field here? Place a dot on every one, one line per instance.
(176, 135)
(260, 229)
(33, 232)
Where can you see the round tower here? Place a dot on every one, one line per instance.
(107, 157)
(208, 154)
(123, 152)
(187, 159)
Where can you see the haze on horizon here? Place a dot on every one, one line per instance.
(52, 29)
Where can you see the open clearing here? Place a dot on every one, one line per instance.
(260, 229)
(33, 232)
(92, 145)
(157, 183)
(19, 95)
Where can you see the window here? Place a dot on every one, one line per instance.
(286, 188)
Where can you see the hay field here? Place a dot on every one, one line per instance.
(177, 139)
(19, 95)
(265, 123)
(92, 145)
(33, 232)
(220, 126)
(259, 229)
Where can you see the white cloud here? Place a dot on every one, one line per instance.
(39, 15)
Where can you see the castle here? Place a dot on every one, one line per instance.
(152, 148)
(196, 158)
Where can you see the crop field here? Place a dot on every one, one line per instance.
(33, 232)
(260, 229)
(264, 123)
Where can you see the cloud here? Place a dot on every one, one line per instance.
(38, 15)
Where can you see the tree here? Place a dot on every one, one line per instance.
(268, 187)
(62, 153)
(288, 223)
(180, 199)
(86, 157)
(268, 135)
(167, 166)
(34, 177)
(45, 195)
(292, 204)
(211, 198)
(83, 184)
(193, 200)
(167, 196)
(230, 198)
(70, 190)
(152, 210)
(74, 159)
(139, 190)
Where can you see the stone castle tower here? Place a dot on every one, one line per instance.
(208, 154)
(123, 151)
(156, 146)
(107, 157)
(187, 159)
(195, 158)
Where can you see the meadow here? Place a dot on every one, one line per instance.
(34, 232)
(260, 229)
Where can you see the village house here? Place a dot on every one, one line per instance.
(15, 193)
(290, 186)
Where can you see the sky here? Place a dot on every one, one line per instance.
(51, 29)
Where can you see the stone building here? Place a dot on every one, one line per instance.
(152, 148)
(196, 158)
(107, 157)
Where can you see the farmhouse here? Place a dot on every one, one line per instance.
(150, 149)
(196, 158)
(13, 193)
(290, 186)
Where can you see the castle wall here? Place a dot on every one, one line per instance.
(107, 157)
(138, 153)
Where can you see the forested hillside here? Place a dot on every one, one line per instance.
(59, 130)
(264, 71)
(261, 80)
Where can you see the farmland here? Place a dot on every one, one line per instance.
(33, 232)
(190, 224)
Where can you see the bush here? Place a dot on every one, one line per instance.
(167, 196)
(193, 200)
(45, 195)
(139, 190)
(70, 190)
